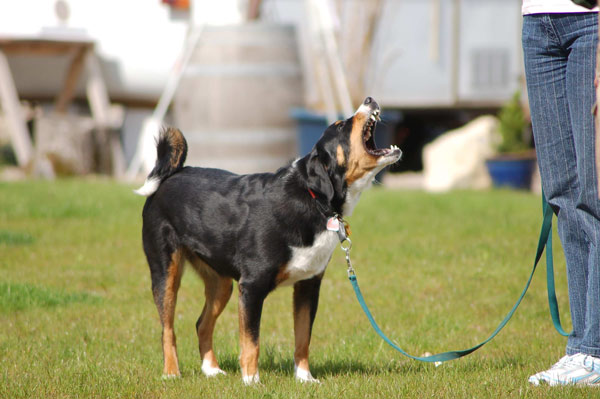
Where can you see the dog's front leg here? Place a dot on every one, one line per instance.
(306, 300)
(250, 306)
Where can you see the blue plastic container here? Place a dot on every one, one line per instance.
(514, 173)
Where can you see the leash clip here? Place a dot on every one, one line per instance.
(341, 227)
(346, 244)
(337, 224)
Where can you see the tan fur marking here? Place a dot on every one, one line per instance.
(171, 366)
(176, 141)
(337, 123)
(302, 336)
(217, 290)
(341, 158)
(282, 275)
(359, 160)
(250, 349)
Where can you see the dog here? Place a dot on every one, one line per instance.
(263, 230)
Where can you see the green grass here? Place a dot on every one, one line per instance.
(14, 297)
(439, 272)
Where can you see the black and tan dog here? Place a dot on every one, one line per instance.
(263, 230)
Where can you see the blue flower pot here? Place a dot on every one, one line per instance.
(511, 172)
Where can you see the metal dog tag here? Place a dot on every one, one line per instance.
(334, 224)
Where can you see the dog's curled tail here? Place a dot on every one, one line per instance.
(171, 150)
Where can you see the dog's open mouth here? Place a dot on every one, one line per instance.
(369, 137)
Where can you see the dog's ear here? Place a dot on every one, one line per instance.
(318, 174)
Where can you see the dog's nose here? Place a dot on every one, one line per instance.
(371, 103)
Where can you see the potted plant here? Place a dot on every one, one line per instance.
(514, 161)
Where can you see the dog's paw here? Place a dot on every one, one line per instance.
(303, 375)
(251, 379)
(170, 376)
(210, 371)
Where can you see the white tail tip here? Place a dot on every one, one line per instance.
(149, 187)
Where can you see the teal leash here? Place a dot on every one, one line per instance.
(552, 302)
(545, 241)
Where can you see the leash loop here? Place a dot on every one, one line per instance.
(545, 240)
(346, 244)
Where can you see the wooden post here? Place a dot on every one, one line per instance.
(68, 91)
(145, 153)
(9, 100)
(105, 116)
(318, 57)
(332, 55)
(253, 10)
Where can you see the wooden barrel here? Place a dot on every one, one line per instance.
(233, 103)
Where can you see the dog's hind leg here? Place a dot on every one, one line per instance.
(166, 278)
(217, 290)
(306, 300)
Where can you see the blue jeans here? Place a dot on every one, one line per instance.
(560, 54)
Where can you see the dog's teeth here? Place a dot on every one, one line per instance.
(373, 118)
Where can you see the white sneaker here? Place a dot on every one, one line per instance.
(578, 369)
(564, 362)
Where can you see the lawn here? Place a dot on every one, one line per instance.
(438, 271)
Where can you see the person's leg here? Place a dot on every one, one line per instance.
(581, 32)
(559, 53)
(546, 69)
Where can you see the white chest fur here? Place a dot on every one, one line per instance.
(355, 189)
(310, 261)
(358, 186)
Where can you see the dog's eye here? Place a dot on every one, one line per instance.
(340, 126)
